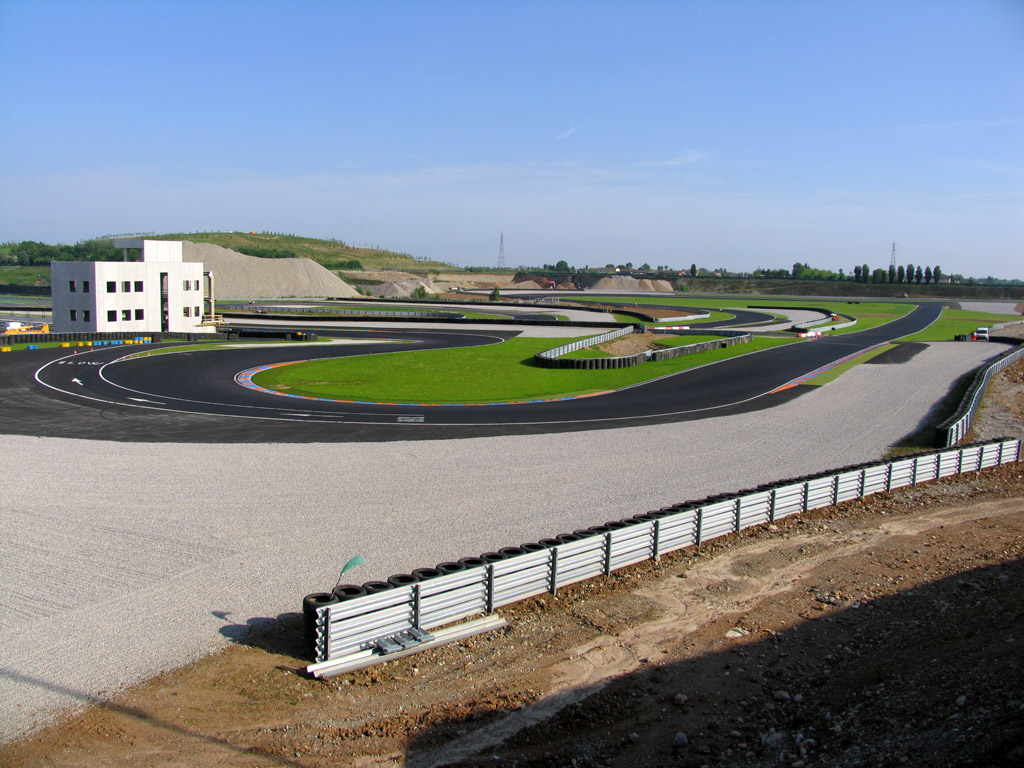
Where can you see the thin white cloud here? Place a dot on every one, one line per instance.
(568, 133)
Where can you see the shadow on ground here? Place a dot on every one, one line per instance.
(930, 676)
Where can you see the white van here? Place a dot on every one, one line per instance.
(981, 334)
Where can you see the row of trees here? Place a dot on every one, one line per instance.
(30, 253)
(897, 274)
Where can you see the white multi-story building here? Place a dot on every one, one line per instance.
(157, 293)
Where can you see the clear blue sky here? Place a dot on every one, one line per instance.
(731, 134)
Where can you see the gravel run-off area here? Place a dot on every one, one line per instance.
(123, 561)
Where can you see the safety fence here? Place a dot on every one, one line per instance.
(817, 324)
(381, 618)
(552, 357)
(955, 428)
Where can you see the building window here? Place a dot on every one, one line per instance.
(138, 286)
(111, 315)
(196, 285)
(126, 286)
(188, 311)
(74, 315)
(197, 311)
(139, 315)
(126, 314)
(111, 286)
(71, 285)
(86, 315)
(184, 285)
(85, 286)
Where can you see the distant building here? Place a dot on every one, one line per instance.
(157, 293)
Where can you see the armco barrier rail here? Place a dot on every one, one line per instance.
(549, 357)
(955, 428)
(552, 358)
(381, 618)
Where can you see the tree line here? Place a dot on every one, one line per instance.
(898, 275)
(29, 253)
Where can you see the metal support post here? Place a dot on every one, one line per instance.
(553, 571)
(490, 588)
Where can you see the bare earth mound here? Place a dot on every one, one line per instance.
(625, 283)
(402, 289)
(237, 276)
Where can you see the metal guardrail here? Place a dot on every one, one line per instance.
(548, 357)
(959, 424)
(552, 358)
(832, 325)
(379, 618)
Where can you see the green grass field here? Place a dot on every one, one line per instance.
(39, 275)
(956, 321)
(497, 373)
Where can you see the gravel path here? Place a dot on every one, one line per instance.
(121, 560)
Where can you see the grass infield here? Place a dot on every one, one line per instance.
(497, 373)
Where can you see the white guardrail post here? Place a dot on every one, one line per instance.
(374, 625)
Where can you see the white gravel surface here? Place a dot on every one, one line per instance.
(991, 307)
(121, 560)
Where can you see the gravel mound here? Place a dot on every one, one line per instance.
(401, 289)
(237, 276)
(624, 283)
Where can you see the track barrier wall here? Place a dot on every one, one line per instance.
(955, 428)
(358, 619)
(552, 358)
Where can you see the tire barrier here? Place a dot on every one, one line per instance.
(104, 337)
(955, 428)
(379, 622)
(552, 358)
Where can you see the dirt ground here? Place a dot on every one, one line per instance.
(883, 632)
(633, 344)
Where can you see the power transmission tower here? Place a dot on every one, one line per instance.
(892, 259)
(501, 252)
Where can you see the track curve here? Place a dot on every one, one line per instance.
(202, 385)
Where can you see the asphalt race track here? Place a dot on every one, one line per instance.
(193, 396)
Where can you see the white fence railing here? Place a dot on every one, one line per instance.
(957, 426)
(360, 620)
(565, 349)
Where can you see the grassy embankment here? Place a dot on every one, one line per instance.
(332, 254)
(497, 373)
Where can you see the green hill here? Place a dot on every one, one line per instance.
(332, 254)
